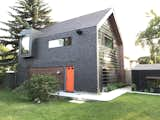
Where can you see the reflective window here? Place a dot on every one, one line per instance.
(56, 43)
(108, 42)
(67, 41)
(59, 42)
(25, 45)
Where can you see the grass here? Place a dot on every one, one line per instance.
(126, 107)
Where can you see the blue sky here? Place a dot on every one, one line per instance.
(130, 15)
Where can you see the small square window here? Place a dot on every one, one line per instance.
(108, 42)
(67, 41)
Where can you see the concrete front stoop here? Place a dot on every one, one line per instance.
(104, 96)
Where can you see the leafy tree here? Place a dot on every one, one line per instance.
(25, 14)
(151, 36)
(147, 60)
(144, 60)
(3, 51)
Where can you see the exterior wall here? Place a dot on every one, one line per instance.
(115, 31)
(9, 80)
(139, 78)
(110, 60)
(81, 54)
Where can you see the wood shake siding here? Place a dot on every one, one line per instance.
(109, 59)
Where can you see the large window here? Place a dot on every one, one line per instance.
(60, 42)
(25, 46)
(108, 42)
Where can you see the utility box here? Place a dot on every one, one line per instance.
(10, 80)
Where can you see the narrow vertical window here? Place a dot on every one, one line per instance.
(25, 46)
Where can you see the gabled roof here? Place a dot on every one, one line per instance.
(90, 20)
(84, 21)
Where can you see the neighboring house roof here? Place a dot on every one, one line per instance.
(147, 67)
(84, 21)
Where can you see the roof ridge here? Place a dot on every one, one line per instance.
(86, 14)
(84, 21)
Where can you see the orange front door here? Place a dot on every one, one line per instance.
(70, 79)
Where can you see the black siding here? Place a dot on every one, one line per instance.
(81, 54)
(139, 77)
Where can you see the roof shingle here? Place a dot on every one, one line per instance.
(84, 21)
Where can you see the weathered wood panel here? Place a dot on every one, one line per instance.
(109, 59)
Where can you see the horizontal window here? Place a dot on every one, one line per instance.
(60, 42)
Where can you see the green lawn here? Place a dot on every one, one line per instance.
(126, 107)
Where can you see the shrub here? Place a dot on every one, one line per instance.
(146, 90)
(39, 86)
(151, 90)
(134, 87)
(121, 84)
(113, 86)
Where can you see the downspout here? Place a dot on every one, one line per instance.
(97, 53)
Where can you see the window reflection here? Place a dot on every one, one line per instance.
(60, 42)
(56, 43)
(108, 42)
(25, 43)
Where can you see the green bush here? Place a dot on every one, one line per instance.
(111, 86)
(121, 84)
(39, 86)
(116, 85)
(134, 87)
(151, 90)
(146, 90)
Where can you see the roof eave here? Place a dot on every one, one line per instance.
(101, 22)
(109, 13)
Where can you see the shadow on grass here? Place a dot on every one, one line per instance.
(10, 96)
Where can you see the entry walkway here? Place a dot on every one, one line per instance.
(104, 96)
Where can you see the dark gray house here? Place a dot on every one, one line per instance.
(85, 53)
(146, 77)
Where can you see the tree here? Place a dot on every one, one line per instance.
(144, 60)
(4, 50)
(151, 36)
(26, 14)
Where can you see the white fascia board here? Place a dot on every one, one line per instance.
(104, 18)
(111, 11)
